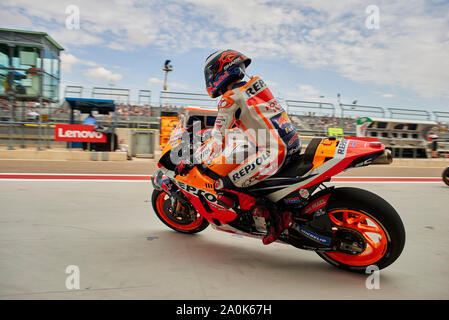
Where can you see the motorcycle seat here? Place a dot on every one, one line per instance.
(304, 161)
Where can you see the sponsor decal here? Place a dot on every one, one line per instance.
(79, 133)
(313, 236)
(364, 163)
(283, 124)
(365, 160)
(220, 79)
(304, 193)
(222, 103)
(219, 122)
(197, 192)
(230, 64)
(293, 139)
(255, 88)
(342, 146)
(362, 125)
(283, 119)
(203, 154)
(292, 200)
(249, 167)
(317, 204)
(273, 106)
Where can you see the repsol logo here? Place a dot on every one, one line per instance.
(255, 88)
(342, 146)
(197, 192)
(249, 168)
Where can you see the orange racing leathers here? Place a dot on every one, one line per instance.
(253, 108)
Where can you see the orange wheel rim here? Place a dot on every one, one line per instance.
(371, 230)
(186, 227)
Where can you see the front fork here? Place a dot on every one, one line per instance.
(178, 202)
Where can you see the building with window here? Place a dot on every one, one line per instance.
(30, 66)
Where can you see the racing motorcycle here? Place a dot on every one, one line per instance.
(348, 227)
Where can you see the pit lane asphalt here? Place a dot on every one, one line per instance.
(109, 230)
(149, 166)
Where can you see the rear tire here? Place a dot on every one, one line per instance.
(160, 200)
(368, 208)
(446, 176)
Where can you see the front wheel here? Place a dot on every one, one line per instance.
(363, 217)
(183, 222)
(446, 176)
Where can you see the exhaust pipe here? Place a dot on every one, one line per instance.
(385, 158)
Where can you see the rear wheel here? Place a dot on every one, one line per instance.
(182, 221)
(366, 219)
(446, 176)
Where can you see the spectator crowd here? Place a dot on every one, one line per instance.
(307, 121)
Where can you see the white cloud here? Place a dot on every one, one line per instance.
(102, 73)
(117, 46)
(156, 82)
(16, 19)
(70, 38)
(69, 60)
(388, 95)
(308, 91)
(408, 51)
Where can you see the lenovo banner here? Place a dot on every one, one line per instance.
(80, 133)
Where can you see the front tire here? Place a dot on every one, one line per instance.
(161, 201)
(353, 209)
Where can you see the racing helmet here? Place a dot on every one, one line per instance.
(222, 68)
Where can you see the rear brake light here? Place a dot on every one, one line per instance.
(375, 145)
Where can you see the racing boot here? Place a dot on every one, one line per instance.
(276, 223)
(229, 196)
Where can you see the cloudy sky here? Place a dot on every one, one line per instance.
(303, 49)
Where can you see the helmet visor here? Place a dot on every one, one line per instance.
(209, 73)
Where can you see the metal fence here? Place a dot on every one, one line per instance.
(441, 116)
(30, 124)
(183, 99)
(119, 95)
(312, 108)
(356, 110)
(398, 113)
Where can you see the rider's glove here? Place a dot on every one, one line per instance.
(183, 168)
